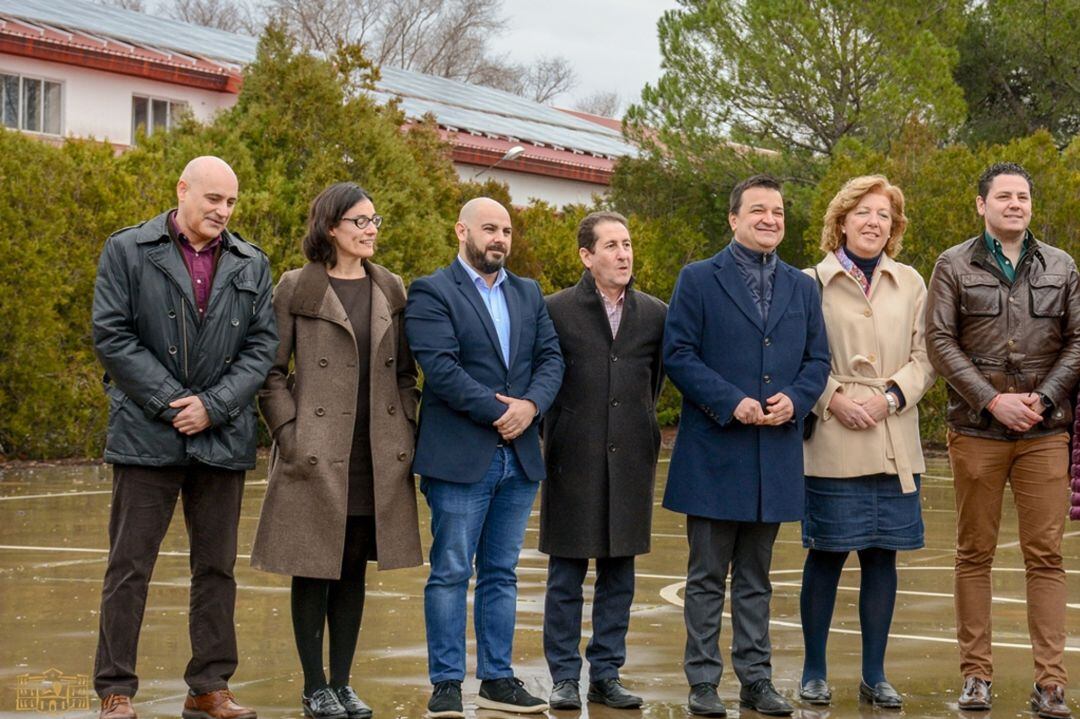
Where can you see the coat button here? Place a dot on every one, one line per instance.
(614, 403)
(172, 314)
(867, 312)
(614, 358)
(872, 358)
(768, 341)
(1012, 389)
(312, 459)
(319, 411)
(228, 360)
(1059, 414)
(389, 361)
(235, 322)
(767, 378)
(611, 447)
(390, 409)
(323, 362)
(172, 349)
(402, 456)
(1011, 342)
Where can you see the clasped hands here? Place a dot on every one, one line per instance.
(1019, 412)
(778, 410)
(519, 414)
(192, 417)
(858, 413)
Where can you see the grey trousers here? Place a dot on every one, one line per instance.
(745, 547)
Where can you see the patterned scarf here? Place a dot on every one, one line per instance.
(852, 269)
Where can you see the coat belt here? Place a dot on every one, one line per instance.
(892, 431)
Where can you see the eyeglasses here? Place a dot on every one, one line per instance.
(361, 221)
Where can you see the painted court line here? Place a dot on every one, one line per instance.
(671, 594)
(52, 495)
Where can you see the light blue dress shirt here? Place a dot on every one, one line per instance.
(495, 301)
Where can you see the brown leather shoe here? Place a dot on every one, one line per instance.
(117, 706)
(220, 704)
(975, 696)
(1049, 702)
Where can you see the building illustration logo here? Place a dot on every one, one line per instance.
(52, 691)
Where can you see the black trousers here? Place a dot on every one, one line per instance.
(563, 601)
(143, 500)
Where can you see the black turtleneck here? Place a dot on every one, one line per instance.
(866, 266)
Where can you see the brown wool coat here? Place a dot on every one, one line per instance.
(302, 526)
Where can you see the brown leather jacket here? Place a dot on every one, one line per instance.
(985, 336)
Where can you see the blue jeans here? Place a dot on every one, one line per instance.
(484, 522)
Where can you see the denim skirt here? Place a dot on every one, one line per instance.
(852, 513)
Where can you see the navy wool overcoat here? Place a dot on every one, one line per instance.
(717, 351)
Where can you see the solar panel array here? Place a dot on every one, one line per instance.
(456, 105)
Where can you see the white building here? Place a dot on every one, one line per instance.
(75, 68)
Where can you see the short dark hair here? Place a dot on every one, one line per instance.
(326, 211)
(586, 231)
(735, 201)
(1002, 168)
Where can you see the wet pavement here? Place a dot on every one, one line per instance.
(53, 546)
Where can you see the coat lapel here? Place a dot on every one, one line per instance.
(465, 286)
(513, 307)
(166, 257)
(783, 289)
(380, 312)
(314, 297)
(734, 285)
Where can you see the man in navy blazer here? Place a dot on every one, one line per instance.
(745, 344)
(492, 366)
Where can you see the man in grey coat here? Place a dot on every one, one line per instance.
(183, 326)
(601, 442)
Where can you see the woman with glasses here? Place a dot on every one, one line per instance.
(863, 458)
(341, 490)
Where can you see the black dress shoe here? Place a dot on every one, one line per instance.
(705, 702)
(354, 706)
(975, 696)
(816, 692)
(509, 695)
(762, 697)
(565, 695)
(323, 704)
(881, 695)
(614, 694)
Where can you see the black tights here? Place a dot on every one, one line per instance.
(334, 603)
(877, 597)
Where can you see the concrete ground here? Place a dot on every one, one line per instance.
(53, 547)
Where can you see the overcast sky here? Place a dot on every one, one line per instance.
(611, 43)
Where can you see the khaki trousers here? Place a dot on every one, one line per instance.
(1037, 471)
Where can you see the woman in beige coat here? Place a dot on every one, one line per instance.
(341, 490)
(863, 458)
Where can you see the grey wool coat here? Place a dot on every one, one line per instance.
(601, 438)
(310, 413)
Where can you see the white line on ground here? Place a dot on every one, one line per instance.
(671, 594)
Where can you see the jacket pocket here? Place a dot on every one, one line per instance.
(1048, 296)
(980, 295)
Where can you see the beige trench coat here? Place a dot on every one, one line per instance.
(875, 341)
(309, 411)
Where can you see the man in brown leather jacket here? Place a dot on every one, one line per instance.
(1003, 328)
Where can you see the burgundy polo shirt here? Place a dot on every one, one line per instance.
(200, 263)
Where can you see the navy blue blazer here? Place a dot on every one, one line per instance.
(453, 339)
(717, 351)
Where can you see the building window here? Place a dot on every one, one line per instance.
(31, 104)
(153, 114)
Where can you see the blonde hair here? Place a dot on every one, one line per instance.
(847, 199)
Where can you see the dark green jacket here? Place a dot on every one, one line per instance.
(154, 349)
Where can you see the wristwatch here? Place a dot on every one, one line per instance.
(894, 406)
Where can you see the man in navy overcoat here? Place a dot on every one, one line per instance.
(745, 344)
(492, 366)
